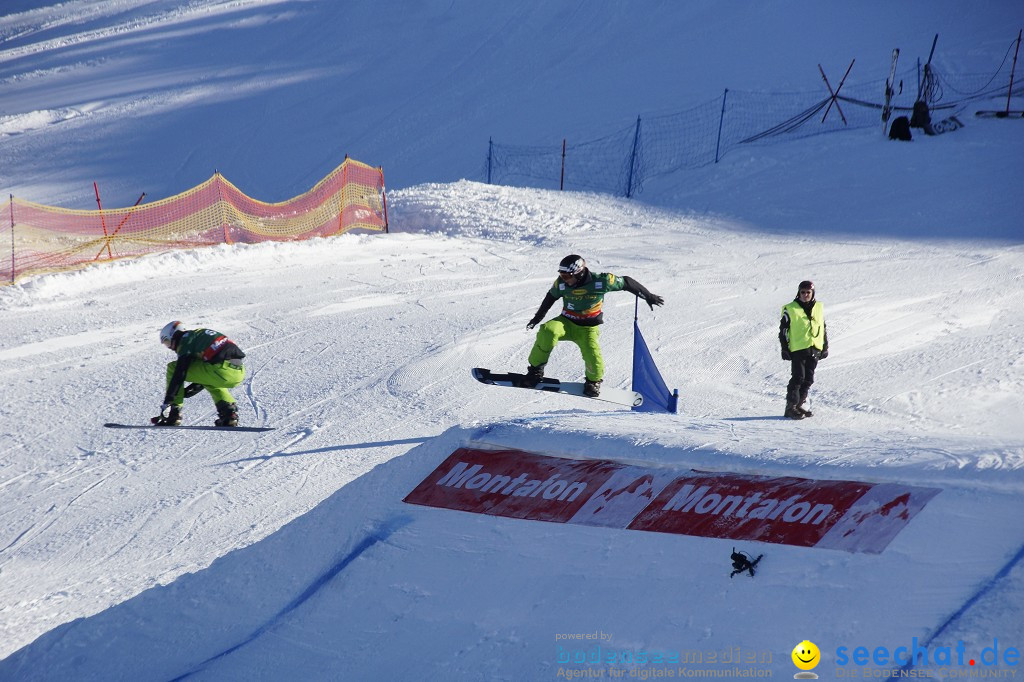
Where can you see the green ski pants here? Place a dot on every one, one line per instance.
(216, 379)
(553, 331)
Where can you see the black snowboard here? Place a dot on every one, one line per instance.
(618, 396)
(111, 425)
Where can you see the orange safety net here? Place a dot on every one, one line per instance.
(47, 238)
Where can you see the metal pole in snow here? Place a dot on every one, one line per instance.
(1013, 68)
(561, 182)
(632, 160)
(384, 200)
(721, 119)
(490, 157)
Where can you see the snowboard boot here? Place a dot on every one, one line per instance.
(533, 376)
(800, 404)
(792, 412)
(227, 415)
(592, 389)
(172, 418)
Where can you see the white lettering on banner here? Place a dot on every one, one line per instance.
(691, 498)
(462, 475)
(852, 516)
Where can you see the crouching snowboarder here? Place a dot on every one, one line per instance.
(207, 359)
(582, 293)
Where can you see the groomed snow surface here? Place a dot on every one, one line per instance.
(290, 554)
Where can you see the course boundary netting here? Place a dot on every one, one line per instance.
(50, 239)
(654, 145)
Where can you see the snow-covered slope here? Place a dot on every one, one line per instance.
(358, 351)
(290, 553)
(155, 95)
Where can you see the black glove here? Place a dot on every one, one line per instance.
(653, 300)
(786, 355)
(533, 323)
(824, 354)
(193, 389)
(164, 419)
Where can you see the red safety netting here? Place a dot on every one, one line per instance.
(47, 238)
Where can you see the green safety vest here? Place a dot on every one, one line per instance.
(805, 332)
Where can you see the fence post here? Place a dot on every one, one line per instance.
(1013, 69)
(490, 157)
(12, 239)
(224, 212)
(103, 221)
(119, 226)
(721, 118)
(341, 205)
(561, 182)
(384, 199)
(632, 160)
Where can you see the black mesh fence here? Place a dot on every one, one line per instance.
(618, 163)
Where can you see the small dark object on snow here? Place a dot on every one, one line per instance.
(900, 129)
(741, 561)
(921, 117)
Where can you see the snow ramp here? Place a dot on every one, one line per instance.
(534, 550)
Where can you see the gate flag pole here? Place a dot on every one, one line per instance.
(647, 379)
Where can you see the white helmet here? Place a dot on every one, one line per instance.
(167, 333)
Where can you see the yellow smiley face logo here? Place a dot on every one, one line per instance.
(806, 655)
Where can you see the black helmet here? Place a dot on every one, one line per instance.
(572, 265)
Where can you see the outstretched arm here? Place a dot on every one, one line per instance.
(634, 287)
(545, 306)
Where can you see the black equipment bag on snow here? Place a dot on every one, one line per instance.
(900, 129)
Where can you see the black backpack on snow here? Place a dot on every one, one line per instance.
(900, 129)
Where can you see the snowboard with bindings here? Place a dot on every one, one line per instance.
(190, 427)
(619, 396)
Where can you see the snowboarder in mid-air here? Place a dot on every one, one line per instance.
(582, 293)
(209, 360)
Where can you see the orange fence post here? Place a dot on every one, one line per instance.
(341, 204)
(120, 225)
(102, 221)
(220, 193)
(12, 239)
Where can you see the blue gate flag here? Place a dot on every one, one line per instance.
(647, 379)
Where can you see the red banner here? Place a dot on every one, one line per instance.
(512, 483)
(847, 515)
(789, 511)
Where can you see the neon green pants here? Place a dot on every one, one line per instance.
(553, 331)
(216, 379)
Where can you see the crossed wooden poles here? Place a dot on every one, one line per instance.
(835, 95)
